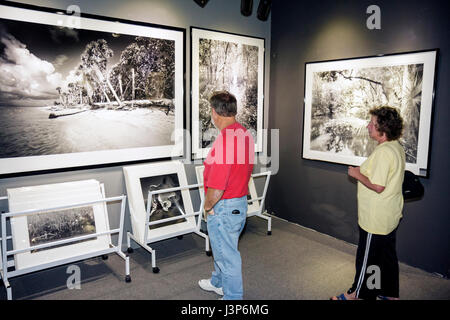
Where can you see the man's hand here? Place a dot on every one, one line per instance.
(212, 197)
(209, 212)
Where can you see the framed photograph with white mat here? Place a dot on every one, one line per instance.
(96, 91)
(340, 93)
(53, 225)
(226, 61)
(140, 179)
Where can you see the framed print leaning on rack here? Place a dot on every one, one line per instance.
(139, 180)
(225, 61)
(87, 90)
(340, 93)
(54, 225)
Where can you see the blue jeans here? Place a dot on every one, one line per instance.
(224, 228)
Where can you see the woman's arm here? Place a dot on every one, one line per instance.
(356, 173)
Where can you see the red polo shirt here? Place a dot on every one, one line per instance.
(229, 163)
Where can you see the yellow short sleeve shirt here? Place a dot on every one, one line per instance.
(380, 213)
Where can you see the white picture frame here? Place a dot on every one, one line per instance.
(53, 195)
(252, 207)
(74, 141)
(365, 83)
(134, 176)
(200, 94)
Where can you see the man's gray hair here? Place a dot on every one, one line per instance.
(224, 103)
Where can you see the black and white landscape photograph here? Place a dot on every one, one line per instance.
(341, 100)
(65, 91)
(60, 225)
(340, 93)
(228, 62)
(232, 67)
(164, 205)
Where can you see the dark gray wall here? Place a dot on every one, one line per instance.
(221, 15)
(317, 194)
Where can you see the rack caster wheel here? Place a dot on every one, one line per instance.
(269, 233)
(155, 270)
(105, 257)
(127, 279)
(209, 253)
(130, 250)
(179, 237)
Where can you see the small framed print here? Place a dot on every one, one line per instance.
(140, 179)
(48, 226)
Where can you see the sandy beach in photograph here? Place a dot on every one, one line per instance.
(95, 130)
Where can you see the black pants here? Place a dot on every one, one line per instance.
(376, 266)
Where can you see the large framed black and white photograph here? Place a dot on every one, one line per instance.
(87, 90)
(142, 178)
(224, 61)
(340, 93)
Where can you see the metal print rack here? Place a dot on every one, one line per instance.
(6, 265)
(255, 203)
(176, 233)
(259, 211)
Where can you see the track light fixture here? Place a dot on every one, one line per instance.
(201, 3)
(246, 7)
(264, 9)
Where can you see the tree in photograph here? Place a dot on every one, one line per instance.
(233, 67)
(94, 61)
(61, 101)
(152, 61)
(348, 95)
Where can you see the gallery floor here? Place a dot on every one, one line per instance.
(293, 263)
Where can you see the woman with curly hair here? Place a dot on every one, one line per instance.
(380, 204)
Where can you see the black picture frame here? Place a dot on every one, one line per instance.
(337, 101)
(169, 145)
(199, 151)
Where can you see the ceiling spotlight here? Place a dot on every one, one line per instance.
(201, 3)
(264, 9)
(246, 7)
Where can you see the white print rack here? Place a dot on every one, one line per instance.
(160, 205)
(255, 203)
(56, 224)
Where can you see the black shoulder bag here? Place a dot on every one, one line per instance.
(412, 188)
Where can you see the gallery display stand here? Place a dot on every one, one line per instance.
(8, 269)
(195, 228)
(259, 208)
(255, 203)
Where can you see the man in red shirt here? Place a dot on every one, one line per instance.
(228, 167)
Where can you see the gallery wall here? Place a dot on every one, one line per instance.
(216, 15)
(319, 195)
